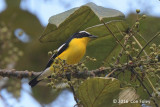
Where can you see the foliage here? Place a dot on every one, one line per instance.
(98, 92)
(87, 17)
(63, 25)
(128, 65)
(146, 31)
(134, 69)
(7, 46)
(9, 55)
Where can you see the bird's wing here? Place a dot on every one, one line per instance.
(60, 50)
(35, 81)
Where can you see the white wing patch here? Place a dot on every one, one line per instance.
(60, 47)
(84, 32)
(47, 72)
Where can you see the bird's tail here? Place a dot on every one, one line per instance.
(47, 72)
(34, 81)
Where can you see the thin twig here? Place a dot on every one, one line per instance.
(111, 73)
(147, 44)
(113, 34)
(137, 75)
(68, 76)
(141, 36)
(132, 68)
(120, 31)
(139, 45)
(150, 83)
(158, 76)
(145, 87)
(125, 42)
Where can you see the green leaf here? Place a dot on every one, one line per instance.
(98, 92)
(126, 78)
(105, 46)
(65, 24)
(87, 17)
(146, 31)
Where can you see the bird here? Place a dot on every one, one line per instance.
(71, 52)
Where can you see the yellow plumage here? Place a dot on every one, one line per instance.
(72, 52)
(75, 51)
(72, 55)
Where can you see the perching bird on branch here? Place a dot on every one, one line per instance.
(71, 51)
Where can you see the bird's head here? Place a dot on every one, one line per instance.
(82, 37)
(84, 34)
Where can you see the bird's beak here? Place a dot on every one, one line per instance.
(93, 36)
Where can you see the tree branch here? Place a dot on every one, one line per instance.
(30, 74)
(19, 74)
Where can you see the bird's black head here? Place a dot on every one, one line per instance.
(82, 34)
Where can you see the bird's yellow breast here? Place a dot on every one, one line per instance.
(75, 51)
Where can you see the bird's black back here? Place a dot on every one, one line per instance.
(63, 47)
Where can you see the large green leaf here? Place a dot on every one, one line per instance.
(104, 47)
(98, 92)
(146, 31)
(106, 92)
(87, 17)
(63, 25)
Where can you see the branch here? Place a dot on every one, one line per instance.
(19, 74)
(78, 74)
(30, 74)
(147, 44)
(139, 44)
(113, 34)
(130, 57)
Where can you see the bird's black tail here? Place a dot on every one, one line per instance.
(34, 81)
